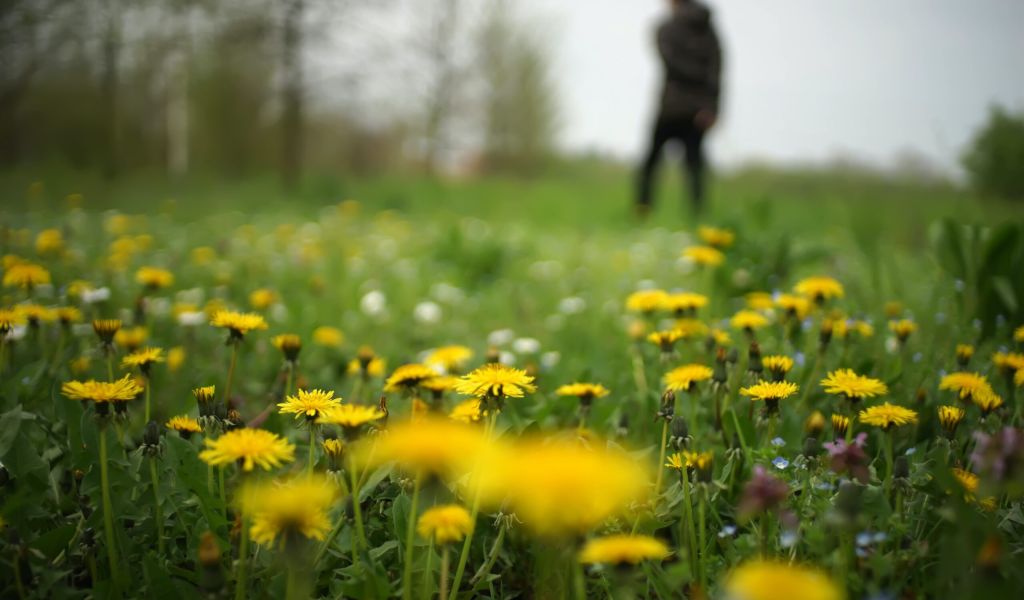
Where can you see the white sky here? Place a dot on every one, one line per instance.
(806, 80)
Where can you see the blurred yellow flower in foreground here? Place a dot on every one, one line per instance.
(705, 256)
(431, 445)
(623, 549)
(819, 288)
(770, 580)
(25, 275)
(284, 509)
(445, 524)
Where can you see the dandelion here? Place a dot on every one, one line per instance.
(496, 381)
(778, 365)
(451, 359)
(967, 385)
(759, 301)
(154, 278)
(467, 411)
(814, 424)
(9, 319)
(102, 393)
(67, 315)
(328, 337)
(987, 400)
(184, 425)
(854, 387)
(683, 379)
(622, 550)
(262, 299)
(334, 449)
(311, 404)
(646, 301)
(131, 339)
(771, 580)
(715, 236)
(685, 303)
(1018, 334)
(819, 289)
(25, 275)
(770, 392)
(351, 416)
(1008, 362)
(665, 340)
(238, 324)
(705, 256)
(840, 425)
(289, 344)
(583, 391)
(407, 377)
(950, 418)
(902, 328)
(36, 314)
(143, 359)
(366, 363)
(444, 524)
(249, 447)
(969, 481)
(748, 321)
(964, 352)
(887, 415)
(298, 507)
(50, 242)
(431, 446)
(795, 307)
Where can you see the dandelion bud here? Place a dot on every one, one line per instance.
(211, 578)
(151, 438)
(106, 329)
(289, 344)
(732, 356)
(680, 432)
(825, 336)
(840, 424)
(814, 424)
(668, 405)
(719, 374)
(990, 554)
(920, 396)
(901, 467)
(812, 447)
(950, 418)
(755, 366)
(964, 352)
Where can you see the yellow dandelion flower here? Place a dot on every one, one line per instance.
(793, 305)
(969, 481)
(583, 391)
(840, 424)
(771, 580)
(184, 425)
(748, 320)
(950, 418)
(351, 415)
(902, 328)
(238, 323)
(50, 242)
(967, 385)
(450, 358)
(715, 236)
(987, 400)
(9, 319)
(759, 301)
(814, 423)
(175, 358)
(154, 277)
(25, 275)
(131, 338)
(964, 352)
(36, 313)
(445, 524)
(819, 289)
(467, 411)
(289, 344)
(143, 359)
(98, 392)
(562, 489)
(623, 549)
(311, 404)
(262, 299)
(202, 255)
(665, 340)
(440, 384)
(646, 301)
(768, 391)
(408, 377)
(328, 337)
(496, 381)
(1018, 334)
(428, 446)
(374, 367)
(682, 379)
(1008, 361)
(284, 509)
(251, 447)
(1018, 378)
(863, 329)
(677, 461)
(886, 415)
(685, 302)
(68, 315)
(333, 447)
(705, 256)
(720, 337)
(690, 328)
(777, 364)
(852, 385)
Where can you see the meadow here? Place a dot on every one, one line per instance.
(384, 387)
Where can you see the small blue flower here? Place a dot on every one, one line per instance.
(917, 357)
(807, 325)
(862, 553)
(799, 359)
(824, 486)
(879, 537)
(780, 463)
(778, 442)
(864, 538)
(787, 539)
(727, 531)
(910, 451)
(940, 318)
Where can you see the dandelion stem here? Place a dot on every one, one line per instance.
(158, 515)
(691, 536)
(357, 511)
(148, 386)
(493, 556)
(231, 373)
(445, 562)
(410, 538)
(889, 459)
(701, 541)
(243, 560)
(108, 517)
(579, 585)
(312, 449)
(492, 421)
(661, 458)
(427, 592)
(739, 432)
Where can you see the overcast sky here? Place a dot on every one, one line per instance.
(806, 80)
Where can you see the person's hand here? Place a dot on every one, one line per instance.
(705, 119)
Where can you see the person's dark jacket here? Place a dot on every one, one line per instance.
(693, 62)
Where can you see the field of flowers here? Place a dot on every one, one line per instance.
(367, 403)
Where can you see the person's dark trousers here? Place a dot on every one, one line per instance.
(692, 137)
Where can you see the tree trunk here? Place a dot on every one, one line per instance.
(292, 95)
(108, 89)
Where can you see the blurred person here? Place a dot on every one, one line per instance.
(692, 58)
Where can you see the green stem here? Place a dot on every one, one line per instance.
(223, 493)
(330, 540)
(288, 379)
(889, 460)
(110, 365)
(691, 535)
(108, 517)
(158, 515)
(579, 584)
(231, 373)
(739, 432)
(493, 556)
(357, 511)
(445, 565)
(410, 538)
(427, 592)
(312, 449)
(701, 541)
(243, 560)
(661, 459)
(148, 386)
(492, 420)
(209, 478)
